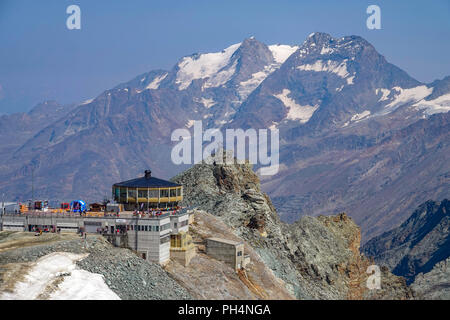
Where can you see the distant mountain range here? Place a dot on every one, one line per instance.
(357, 133)
(418, 250)
(418, 244)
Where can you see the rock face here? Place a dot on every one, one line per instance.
(17, 128)
(207, 278)
(372, 176)
(434, 285)
(317, 258)
(417, 245)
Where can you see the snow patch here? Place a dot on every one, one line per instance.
(220, 122)
(405, 96)
(43, 281)
(338, 68)
(156, 82)
(385, 93)
(247, 87)
(360, 116)
(296, 111)
(207, 102)
(221, 77)
(438, 105)
(203, 66)
(86, 102)
(281, 52)
(350, 80)
(326, 50)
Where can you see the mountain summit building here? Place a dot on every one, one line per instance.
(147, 192)
(152, 224)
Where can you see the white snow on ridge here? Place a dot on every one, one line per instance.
(204, 66)
(405, 96)
(296, 111)
(281, 52)
(86, 102)
(247, 87)
(385, 93)
(360, 116)
(335, 67)
(207, 102)
(220, 78)
(155, 83)
(326, 50)
(56, 277)
(438, 105)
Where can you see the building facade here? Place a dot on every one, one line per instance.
(147, 193)
(149, 237)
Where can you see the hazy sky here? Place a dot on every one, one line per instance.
(40, 59)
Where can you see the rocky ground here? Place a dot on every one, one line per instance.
(129, 276)
(434, 285)
(418, 244)
(207, 278)
(317, 258)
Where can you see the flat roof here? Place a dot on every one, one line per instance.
(234, 243)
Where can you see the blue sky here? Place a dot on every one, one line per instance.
(40, 59)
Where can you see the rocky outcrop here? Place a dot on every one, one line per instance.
(317, 258)
(417, 244)
(207, 278)
(434, 285)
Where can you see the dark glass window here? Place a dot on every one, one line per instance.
(154, 193)
(132, 193)
(142, 193)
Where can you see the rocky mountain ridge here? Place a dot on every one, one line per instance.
(317, 258)
(418, 244)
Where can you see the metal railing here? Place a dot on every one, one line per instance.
(77, 215)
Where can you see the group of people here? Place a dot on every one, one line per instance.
(38, 231)
(155, 212)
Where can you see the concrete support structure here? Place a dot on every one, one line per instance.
(231, 252)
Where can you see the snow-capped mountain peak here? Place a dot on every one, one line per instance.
(207, 65)
(281, 52)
